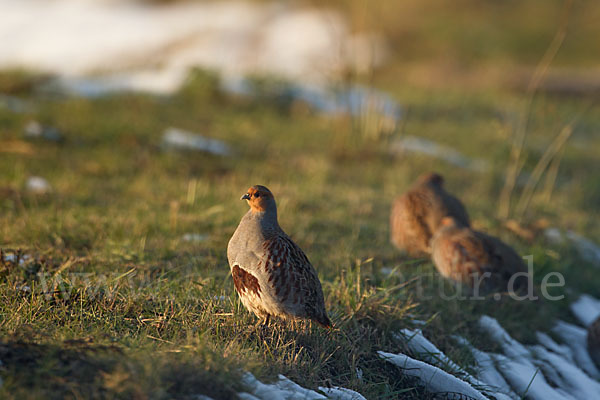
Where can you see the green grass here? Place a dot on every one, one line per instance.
(120, 305)
(114, 303)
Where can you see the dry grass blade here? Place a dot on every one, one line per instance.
(515, 164)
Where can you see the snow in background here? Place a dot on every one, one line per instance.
(151, 47)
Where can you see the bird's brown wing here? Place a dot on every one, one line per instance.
(294, 280)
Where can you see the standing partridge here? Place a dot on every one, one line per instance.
(465, 255)
(417, 213)
(271, 274)
(593, 341)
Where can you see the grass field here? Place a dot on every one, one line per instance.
(112, 301)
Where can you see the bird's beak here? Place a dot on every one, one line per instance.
(245, 197)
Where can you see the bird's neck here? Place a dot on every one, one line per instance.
(266, 219)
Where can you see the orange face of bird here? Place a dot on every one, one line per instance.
(259, 198)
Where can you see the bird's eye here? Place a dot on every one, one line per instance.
(256, 194)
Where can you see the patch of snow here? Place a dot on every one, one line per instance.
(586, 309)
(433, 378)
(355, 100)
(35, 130)
(202, 397)
(339, 393)
(551, 345)
(588, 250)
(420, 145)
(527, 379)
(151, 46)
(487, 371)
(511, 347)
(247, 396)
(194, 237)
(567, 376)
(282, 389)
(174, 138)
(37, 185)
(519, 368)
(576, 338)
(420, 345)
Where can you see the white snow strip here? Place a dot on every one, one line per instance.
(355, 100)
(487, 371)
(420, 145)
(586, 309)
(339, 393)
(519, 368)
(282, 389)
(568, 376)
(551, 345)
(145, 46)
(576, 338)
(420, 345)
(194, 237)
(38, 185)
(588, 250)
(527, 379)
(247, 396)
(511, 347)
(179, 139)
(433, 379)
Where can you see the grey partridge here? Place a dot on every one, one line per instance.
(593, 341)
(271, 274)
(417, 213)
(465, 255)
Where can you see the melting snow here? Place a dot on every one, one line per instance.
(38, 185)
(338, 393)
(282, 389)
(551, 345)
(525, 378)
(586, 248)
(151, 47)
(586, 309)
(567, 376)
(427, 350)
(420, 145)
(529, 370)
(433, 379)
(194, 237)
(179, 139)
(357, 101)
(487, 371)
(576, 338)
